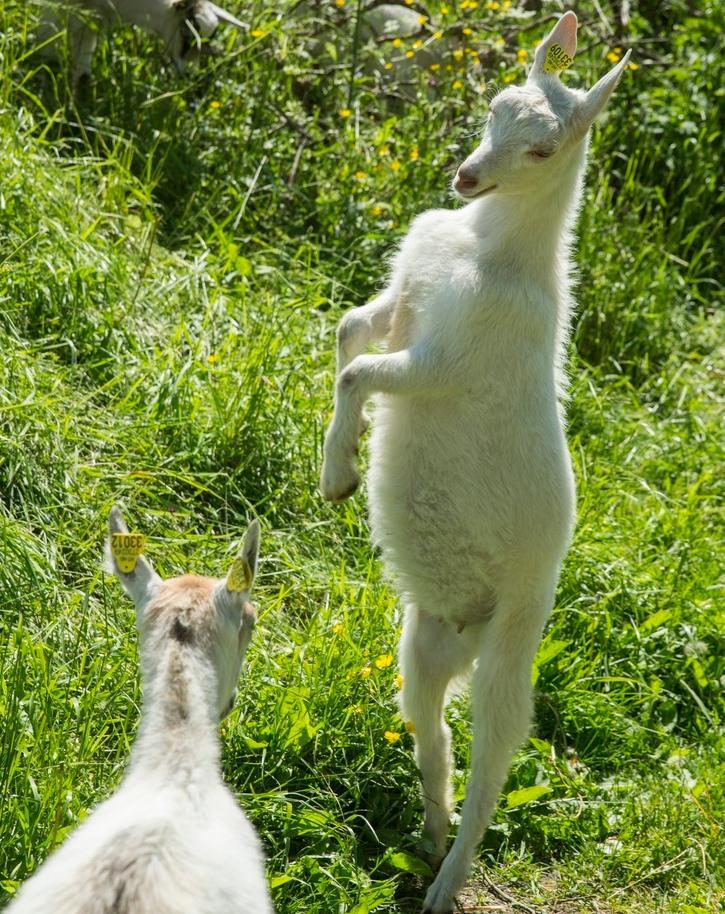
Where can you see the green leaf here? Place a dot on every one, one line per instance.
(527, 795)
(281, 879)
(407, 863)
(655, 620)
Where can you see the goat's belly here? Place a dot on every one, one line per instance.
(462, 505)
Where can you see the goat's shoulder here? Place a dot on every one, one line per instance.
(435, 239)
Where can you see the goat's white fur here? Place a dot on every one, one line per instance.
(181, 24)
(470, 484)
(172, 839)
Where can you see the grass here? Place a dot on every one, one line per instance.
(175, 255)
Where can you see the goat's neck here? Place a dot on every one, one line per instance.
(531, 232)
(178, 736)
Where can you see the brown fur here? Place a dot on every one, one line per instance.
(184, 605)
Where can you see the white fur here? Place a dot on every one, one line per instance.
(181, 24)
(470, 484)
(172, 839)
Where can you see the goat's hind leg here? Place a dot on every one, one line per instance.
(432, 653)
(501, 706)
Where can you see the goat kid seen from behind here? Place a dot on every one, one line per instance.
(172, 839)
(470, 484)
(181, 24)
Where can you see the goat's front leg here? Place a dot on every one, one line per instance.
(361, 326)
(404, 372)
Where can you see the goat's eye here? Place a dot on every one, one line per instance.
(540, 153)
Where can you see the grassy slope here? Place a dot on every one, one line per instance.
(170, 276)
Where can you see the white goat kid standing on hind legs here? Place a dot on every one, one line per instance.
(172, 839)
(470, 484)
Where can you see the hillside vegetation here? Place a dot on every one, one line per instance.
(175, 253)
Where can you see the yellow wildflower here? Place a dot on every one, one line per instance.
(384, 151)
(339, 2)
(388, 66)
(409, 53)
(338, 629)
(258, 33)
(418, 43)
(212, 358)
(522, 55)
(360, 176)
(384, 661)
(614, 55)
(468, 31)
(215, 105)
(391, 736)
(414, 154)
(395, 165)
(345, 113)
(397, 42)
(492, 6)
(438, 35)
(365, 672)
(422, 20)
(509, 77)
(377, 210)
(409, 726)
(398, 681)
(435, 66)
(457, 84)
(445, 10)
(458, 54)
(632, 66)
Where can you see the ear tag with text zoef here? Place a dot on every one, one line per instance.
(126, 548)
(239, 577)
(557, 59)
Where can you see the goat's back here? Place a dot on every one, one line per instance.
(153, 855)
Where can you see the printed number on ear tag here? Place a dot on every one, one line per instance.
(126, 548)
(240, 575)
(557, 59)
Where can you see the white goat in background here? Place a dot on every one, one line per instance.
(181, 24)
(470, 484)
(172, 839)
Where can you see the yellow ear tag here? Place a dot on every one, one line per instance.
(239, 577)
(557, 59)
(126, 548)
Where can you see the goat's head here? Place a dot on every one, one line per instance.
(211, 615)
(190, 24)
(533, 130)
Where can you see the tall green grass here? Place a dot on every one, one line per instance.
(175, 254)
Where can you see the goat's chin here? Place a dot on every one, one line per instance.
(467, 198)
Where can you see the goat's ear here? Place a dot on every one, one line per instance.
(243, 569)
(556, 52)
(124, 558)
(597, 97)
(227, 18)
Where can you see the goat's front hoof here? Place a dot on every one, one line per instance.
(339, 480)
(440, 897)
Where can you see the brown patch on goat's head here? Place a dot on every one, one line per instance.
(183, 608)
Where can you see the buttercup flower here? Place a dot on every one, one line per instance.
(391, 736)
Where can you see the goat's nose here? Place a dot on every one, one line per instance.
(466, 178)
